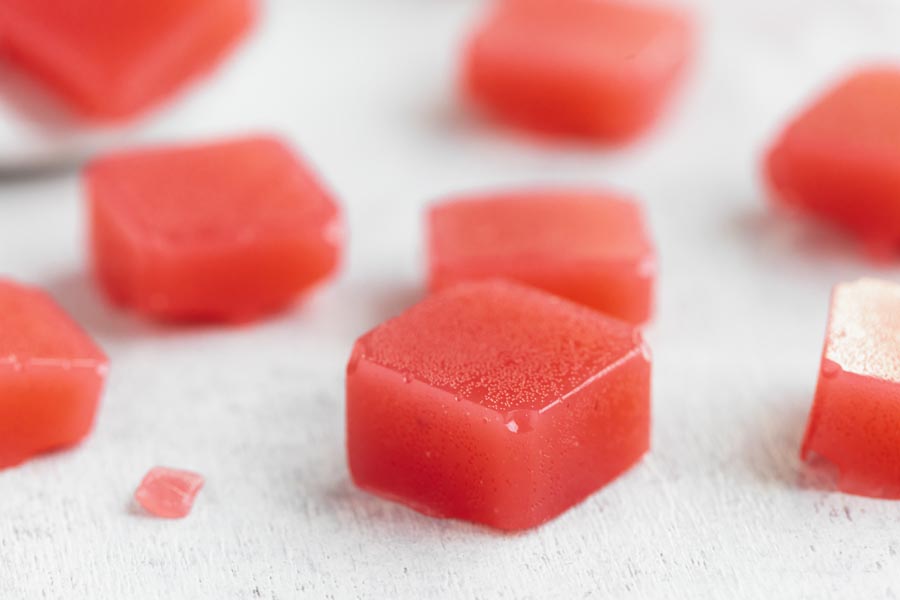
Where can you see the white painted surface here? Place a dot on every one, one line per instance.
(720, 508)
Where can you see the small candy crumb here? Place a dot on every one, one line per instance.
(168, 493)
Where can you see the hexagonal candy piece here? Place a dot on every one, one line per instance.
(51, 376)
(590, 68)
(115, 58)
(591, 247)
(855, 419)
(168, 493)
(227, 231)
(838, 158)
(496, 403)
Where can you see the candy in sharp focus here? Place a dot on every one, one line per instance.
(112, 59)
(168, 493)
(588, 246)
(51, 376)
(597, 69)
(496, 403)
(838, 158)
(855, 419)
(228, 231)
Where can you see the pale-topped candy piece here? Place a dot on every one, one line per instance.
(855, 419)
(168, 493)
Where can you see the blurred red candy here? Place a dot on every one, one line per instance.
(839, 158)
(168, 493)
(226, 231)
(591, 247)
(496, 403)
(111, 59)
(51, 376)
(597, 69)
(855, 419)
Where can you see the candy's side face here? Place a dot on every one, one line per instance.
(855, 419)
(838, 158)
(455, 444)
(584, 68)
(51, 376)
(230, 232)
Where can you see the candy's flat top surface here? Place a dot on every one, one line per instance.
(586, 30)
(861, 110)
(33, 327)
(720, 507)
(568, 225)
(224, 191)
(864, 329)
(110, 34)
(501, 345)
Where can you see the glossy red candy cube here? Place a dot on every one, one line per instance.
(838, 159)
(168, 493)
(111, 59)
(51, 376)
(227, 231)
(855, 419)
(599, 69)
(591, 247)
(496, 403)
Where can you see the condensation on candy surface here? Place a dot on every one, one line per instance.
(589, 246)
(508, 350)
(855, 420)
(168, 493)
(496, 403)
(51, 376)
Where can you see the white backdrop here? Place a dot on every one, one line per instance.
(719, 508)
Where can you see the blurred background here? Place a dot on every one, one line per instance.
(367, 92)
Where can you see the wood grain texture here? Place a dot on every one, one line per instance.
(720, 508)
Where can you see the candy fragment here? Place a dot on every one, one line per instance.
(168, 493)
(496, 403)
(591, 247)
(599, 69)
(228, 231)
(838, 159)
(51, 376)
(111, 59)
(855, 419)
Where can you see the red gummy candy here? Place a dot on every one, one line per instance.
(111, 59)
(839, 158)
(855, 419)
(496, 403)
(589, 68)
(51, 376)
(228, 231)
(168, 493)
(591, 247)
